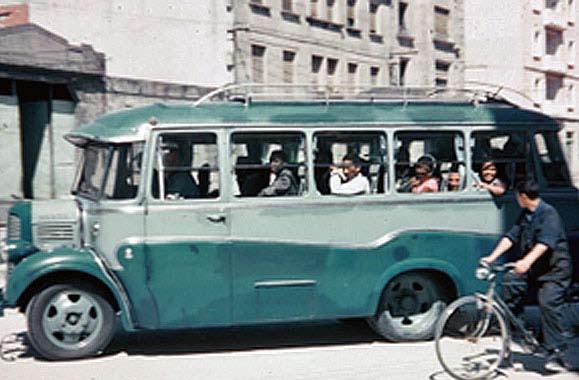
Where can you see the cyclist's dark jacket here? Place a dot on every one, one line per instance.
(545, 226)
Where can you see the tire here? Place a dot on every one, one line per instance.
(471, 339)
(409, 308)
(70, 321)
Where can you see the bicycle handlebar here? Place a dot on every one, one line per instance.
(487, 271)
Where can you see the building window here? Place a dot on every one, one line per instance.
(554, 83)
(441, 17)
(441, 69)
(374, 75)
(332, 68)
(351, 14)
(287, 6)
(317, 63)
(330, 10)
(402, 71)
(402, 15)
(314, 8)
(571, 53)
(289, 58)
(257, 63)
(571, 11)
(551, 4)
(553, 41)
(374, 18)
(352, 74)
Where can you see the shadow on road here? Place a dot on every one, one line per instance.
(242, 338)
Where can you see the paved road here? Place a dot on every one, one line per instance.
(305, 351)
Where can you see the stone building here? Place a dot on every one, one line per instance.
(349, 42)
(529, 48)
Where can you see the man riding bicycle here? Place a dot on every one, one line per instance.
(544, 260)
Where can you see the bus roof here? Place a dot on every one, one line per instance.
(132, 124)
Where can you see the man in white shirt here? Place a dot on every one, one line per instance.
(349, 180)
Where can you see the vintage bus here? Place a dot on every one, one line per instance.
(169, 226)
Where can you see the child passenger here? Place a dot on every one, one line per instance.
(489, 179)
(423, 181)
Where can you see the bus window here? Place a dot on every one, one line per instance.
(555, 171)
(269, 164)
(429, 161)
(368, 149)
(124, 172)
(507, 150)
(188, 165)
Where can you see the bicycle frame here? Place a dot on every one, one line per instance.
(491, 297)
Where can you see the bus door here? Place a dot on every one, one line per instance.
(187, 227)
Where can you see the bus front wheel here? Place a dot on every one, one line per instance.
(70, 321)
(410, 307)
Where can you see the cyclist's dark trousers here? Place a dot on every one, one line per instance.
(551, 298)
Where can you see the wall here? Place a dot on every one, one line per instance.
(167, 41)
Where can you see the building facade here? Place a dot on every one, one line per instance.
(533, 55)
(349, 42)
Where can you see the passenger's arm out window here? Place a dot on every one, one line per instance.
(500, 158)
(350, 163)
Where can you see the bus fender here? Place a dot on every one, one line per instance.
(44, 265)
(416, 265)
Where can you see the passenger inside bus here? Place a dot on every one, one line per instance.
(453, 181)
(423, 180)
(178, 182)
(489, 179)
(283, 181)
(349, 180)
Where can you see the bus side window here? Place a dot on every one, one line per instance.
(254, 175)
(368, 148)
(553, 166)
(186, 166)
(508, 151)
(441, 152)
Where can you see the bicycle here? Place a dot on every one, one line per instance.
(473, 335)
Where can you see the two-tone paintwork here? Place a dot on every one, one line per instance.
(172, 265)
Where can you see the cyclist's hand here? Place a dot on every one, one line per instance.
(487, 260)
(521, 267)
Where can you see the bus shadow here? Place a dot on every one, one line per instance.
(215, 340)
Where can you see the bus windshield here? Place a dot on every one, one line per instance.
(109, 171)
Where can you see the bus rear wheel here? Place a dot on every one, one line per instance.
(410, 307)
(70, 321)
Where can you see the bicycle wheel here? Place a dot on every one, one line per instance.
(471, 338)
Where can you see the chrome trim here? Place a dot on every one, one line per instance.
(283, 283)
(113, 279)
(383, 240)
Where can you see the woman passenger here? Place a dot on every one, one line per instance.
(489, 179)
(423, 181)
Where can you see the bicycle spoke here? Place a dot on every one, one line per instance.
(471, 339)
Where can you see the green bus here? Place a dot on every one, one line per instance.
(170, 224)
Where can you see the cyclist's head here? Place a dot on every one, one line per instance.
(529, 187)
